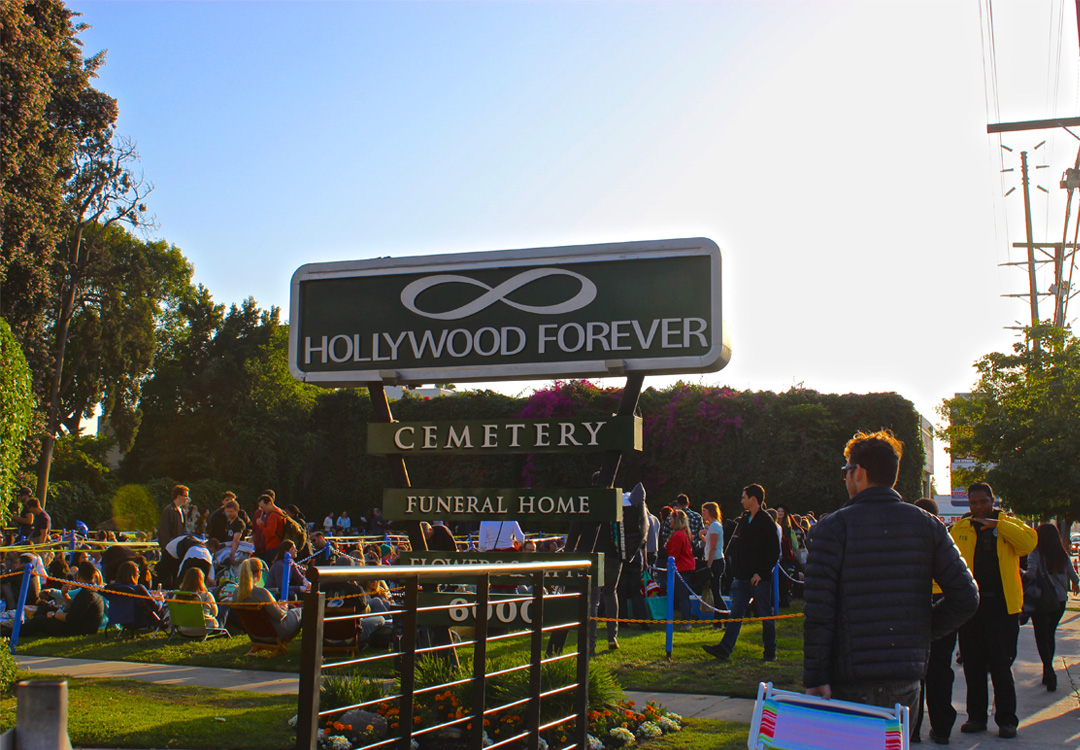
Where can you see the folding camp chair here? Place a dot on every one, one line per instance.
(123, 613)
(259, 629)
(341, 635)
(794, 721)
(187, 621)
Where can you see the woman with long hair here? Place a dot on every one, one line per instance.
(681, 547)
(286, 621)
(193, 588)
(1050, 559)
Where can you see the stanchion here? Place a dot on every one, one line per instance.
(670, 615)
(776, 589)
(17, 624)
(285, 571)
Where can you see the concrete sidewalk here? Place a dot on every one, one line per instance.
(1046, 719)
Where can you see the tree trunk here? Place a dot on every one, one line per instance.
(63, 327)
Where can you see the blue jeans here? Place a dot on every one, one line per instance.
(742, 594)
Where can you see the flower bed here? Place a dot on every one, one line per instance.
(618, 726)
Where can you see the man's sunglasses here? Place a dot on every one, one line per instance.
(845, 469)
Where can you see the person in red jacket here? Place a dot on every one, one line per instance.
(271, 522)
(681, 547)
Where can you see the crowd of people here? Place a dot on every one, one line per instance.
(890, 591)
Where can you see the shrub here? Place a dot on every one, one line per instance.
(338, 691)
(9, 670)
(133, 508)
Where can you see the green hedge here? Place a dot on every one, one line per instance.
(16, 412)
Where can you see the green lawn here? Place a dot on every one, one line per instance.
(131, 714)
(639, 664)
(704, 734)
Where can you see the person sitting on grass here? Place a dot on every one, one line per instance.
(193, 588)
(149, 612)
(81, 615)
(286, 621)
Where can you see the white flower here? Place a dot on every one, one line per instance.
(487, 740)
(293, 720)
(594, 744)
(624, 736)
(649, 731)
(667, 724)
(543, 744)
(673, 716)
(415, 745)
(336, 742)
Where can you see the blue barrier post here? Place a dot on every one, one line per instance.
(670, 627)
(17, 625)
(286, 569)
(776, 589)
(72, 555)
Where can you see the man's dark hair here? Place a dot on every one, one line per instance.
(682, 501)
(179, 490)
(87, 571)
(228, 496)
(264, 498)
(755, 491)
(879, 453)
(981, 487)
(270, 494)
(928, 504)
(33, 503)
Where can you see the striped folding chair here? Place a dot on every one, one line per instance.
(784, 720)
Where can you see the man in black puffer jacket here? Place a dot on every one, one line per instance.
(868, 617)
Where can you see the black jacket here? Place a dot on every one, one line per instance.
(868, 615)
(757, 546)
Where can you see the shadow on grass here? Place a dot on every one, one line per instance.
(131, 714)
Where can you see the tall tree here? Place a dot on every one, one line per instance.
(1019, 424)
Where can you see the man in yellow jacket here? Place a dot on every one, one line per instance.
(992, 544)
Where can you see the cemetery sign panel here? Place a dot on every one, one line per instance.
(592, 310)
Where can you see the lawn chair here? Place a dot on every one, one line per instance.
(259, 629)
(124, 614)
(341, 635)
(187, 621)
(794, 721)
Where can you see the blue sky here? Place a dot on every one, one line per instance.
(836, 151)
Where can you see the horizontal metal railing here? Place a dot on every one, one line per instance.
(412, 578)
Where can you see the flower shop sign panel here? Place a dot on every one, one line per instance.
(590, 310)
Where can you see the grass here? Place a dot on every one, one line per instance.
(131, 714)
(640, 663)
(704, 734)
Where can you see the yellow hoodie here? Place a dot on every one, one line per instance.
(1014, 540)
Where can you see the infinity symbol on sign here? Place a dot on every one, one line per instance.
(585, 295)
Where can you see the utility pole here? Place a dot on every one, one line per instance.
(1033, 289)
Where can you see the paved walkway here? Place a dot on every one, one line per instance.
(1047, 720)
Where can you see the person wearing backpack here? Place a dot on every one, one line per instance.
(271, 522)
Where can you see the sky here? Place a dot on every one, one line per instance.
(836, 151)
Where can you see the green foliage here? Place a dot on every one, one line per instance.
(1019, 424)
(133, 508)
(338, 691)
(9, 670)
(16, 412)
(76, 501)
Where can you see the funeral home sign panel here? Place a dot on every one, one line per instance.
(591, 310)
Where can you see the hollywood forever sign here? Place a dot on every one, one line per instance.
(591, 310)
